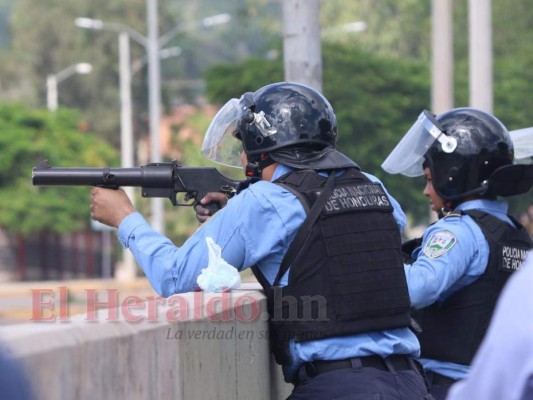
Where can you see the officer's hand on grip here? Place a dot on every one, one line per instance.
(110, 206)
(210, 204)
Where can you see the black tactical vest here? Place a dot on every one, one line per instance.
(348, 275)
(453, 330)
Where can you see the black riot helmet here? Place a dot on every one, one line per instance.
(483, 146)
(469, 153)
(287, 114)
(293, 123)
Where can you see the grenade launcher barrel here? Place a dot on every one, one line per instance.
(184, 186)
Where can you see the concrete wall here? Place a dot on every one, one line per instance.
(190, 346)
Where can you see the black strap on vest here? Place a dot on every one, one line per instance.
(483, 216)
(305, 228)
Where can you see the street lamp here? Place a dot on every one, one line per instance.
(163, 55)
(207, 22)
(97, 24)
(53, 80)
(125, 32)
(153, 46)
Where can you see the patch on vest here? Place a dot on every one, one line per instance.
(367, 196)
(511, 257)
(439, 243)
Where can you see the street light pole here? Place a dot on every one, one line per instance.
(126, 134)
(126, 129)
(480, 71)
(51, 92)
(441, 56)
(152, 45)
(154, 103)
(53, 80)
(301, 42)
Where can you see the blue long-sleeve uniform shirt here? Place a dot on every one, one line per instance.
(435, 279)
(255, 228)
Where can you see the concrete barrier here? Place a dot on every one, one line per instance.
(190, 346)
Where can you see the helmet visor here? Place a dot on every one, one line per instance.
(522, 142)
(220, 144)
(407, 157)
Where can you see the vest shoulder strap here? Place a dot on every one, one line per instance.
(302, 233)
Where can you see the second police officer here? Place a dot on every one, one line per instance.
(463, 260)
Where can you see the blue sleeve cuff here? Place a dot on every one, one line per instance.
(128, 226)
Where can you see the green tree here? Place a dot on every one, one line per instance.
(27, 137)
(376, 99)
(396, 28)
(378, 79)
(45, 40)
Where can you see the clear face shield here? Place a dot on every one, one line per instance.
(523, 143)
(407, 157)
(220, 144)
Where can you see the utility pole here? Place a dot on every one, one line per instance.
(154, 102)
(302, 53)
(129, 269)
(154, 46)
(480, 54)
(441, 56)
(442, 61)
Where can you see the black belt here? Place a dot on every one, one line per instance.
(399, 363)
(438, 379)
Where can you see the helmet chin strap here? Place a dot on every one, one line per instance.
(450, 205)
(255, 165)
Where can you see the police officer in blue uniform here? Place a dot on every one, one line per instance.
(322, 237)
(463, 260)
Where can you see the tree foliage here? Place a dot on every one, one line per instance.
(27, 137)
(45, 40)
(376, 99)
(397, 28)
(377, 79)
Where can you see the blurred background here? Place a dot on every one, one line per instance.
(69, 68)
